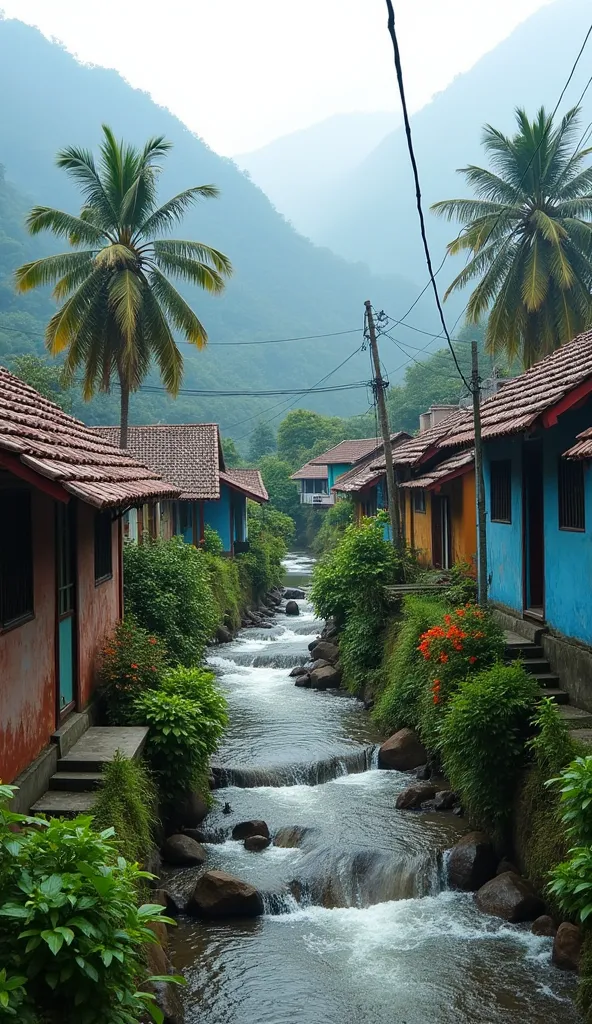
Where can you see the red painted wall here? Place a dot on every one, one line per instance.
(27, 658)
(98, 606)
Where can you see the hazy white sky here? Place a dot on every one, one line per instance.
(242, 72)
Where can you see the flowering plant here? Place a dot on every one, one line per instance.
(131, 661)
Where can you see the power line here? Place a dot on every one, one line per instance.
(153, 389)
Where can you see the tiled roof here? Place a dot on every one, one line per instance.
(364, 473)
(47, 441)
(583, 448)
(411, 452)
(249, 481)
(439, 474)
(311, 472)
(347, 451)
(523, 399)
(186, 454)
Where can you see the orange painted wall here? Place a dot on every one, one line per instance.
(463, 514)
(27, 658)
(98, 606)
(418, 527)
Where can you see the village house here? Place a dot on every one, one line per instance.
(190, 457)
(365, 485)
(313, 485)
(63, 490)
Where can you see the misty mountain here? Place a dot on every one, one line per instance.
(373, 216)
(300, 171)
(283, 285)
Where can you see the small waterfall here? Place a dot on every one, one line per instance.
(314, 773)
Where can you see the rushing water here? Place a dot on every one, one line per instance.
(359, 926)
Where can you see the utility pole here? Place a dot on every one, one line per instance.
(379, 384)
(481, 523)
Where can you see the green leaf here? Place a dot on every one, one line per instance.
(53, 940)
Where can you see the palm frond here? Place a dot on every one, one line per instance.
(535, 281)
(51, 268)
(560, 268)
(65, 324)
(490, 186)
(116, 257)
(80, 165)
(171, 212)
(196, 273)
(63, 225)
(125, 295)
(550, 228)
(488, 260)
(579, 187)
(194, 251)
(177, 310)
(466, 210)
(493, 282)
(161, 343)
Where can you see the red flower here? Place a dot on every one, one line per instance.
(152, 640)
(133, 665)
(472, 659)
(443, 658)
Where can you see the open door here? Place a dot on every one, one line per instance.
(534, 537)
(66, 606)
(441, 533)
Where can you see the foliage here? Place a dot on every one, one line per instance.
(70, 925)
(48, 379)
(302, 434)
(335, 521)
(225, 585)
(131, 660)
(119, 307)
(571, 880)
(462, 585)
(361, 647)
(528, 234)
(232, 457)
(126, 802)
(575, 789)
(262, 441)
(283, 493)
(167, 589)
(399, 704)
(260, 568)
(212, 541)
(483, 741)
(552, 745)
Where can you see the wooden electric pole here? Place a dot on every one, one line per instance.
(379, 385)
(480, 483)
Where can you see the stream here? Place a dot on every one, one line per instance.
(358, 923)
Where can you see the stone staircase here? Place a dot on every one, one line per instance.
(72, 789)
(530, 652)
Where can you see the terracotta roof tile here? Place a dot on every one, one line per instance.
(64, 450)
(583, 448)
(311, 472)
(439, 474)
(364, 472)
(411, 452)
(189, 455)
(249, 481)
(347, 451)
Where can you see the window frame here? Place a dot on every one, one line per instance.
(417, 493)
(494, 497)
(102, 520)
(26, 565)
(564, 468)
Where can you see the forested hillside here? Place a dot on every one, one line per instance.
(283, 285)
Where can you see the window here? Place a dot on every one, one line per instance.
(501, 491)
(16, 558)
(572, 512)
(419, 500)
(103, 547)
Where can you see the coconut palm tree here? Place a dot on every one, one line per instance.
(119, 308)
(529, 236)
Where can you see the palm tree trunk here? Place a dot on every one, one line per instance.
(124, 413)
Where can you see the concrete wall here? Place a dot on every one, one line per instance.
(418, 527)
(98, 604)
(463, 515)
(217, 515)
(336, 471)
(504, 540)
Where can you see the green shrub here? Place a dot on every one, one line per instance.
(212, 543)
(572, 879)
(225, 584)
(70, 926)
(127, 803)
(168, 591)
(200, 686)
(405, 674)
(336, 519)
(483, 741)
(261, 567)
(131, 660)
(361, 648)
(462, 585)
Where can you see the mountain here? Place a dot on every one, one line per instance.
(299, 171)
(283, 285)
(373, 216)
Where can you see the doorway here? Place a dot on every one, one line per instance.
(534, 535)
(441, 532)
(66, 606)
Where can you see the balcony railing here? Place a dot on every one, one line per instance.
(317, 499)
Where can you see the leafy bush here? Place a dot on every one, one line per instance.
(212, 541)
(127, 803)
(261, 568)
(131, 660)
(571, 883)
(355, 573)
(72, 937)
(483, 740)
(336, 519)
(200, 686)
(462, 585)
(168, 591)
(227, 592)
(361, 648)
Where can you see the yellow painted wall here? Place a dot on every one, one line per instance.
(418, 527)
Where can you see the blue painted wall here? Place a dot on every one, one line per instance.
(504, 540)
(217, 515)
(338, 470)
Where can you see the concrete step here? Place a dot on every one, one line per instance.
(582, 736)
(99, 745)
(575, 718)
(537, 666)
(524, 650)
(75, 782)
(547, 679)
(64, 805)
(523, 629)
(558, 696)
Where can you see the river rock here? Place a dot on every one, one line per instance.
(294, 594)
(326, 651)
(544, 925)
(292, 608)
(290, 837)
(404, 751)
(167, 995)
(445, 800)
(255, 844)
(302, 680)
(218, 895)
(506, 865)
(472, 862)
(223, 635)
(166, 900)
(189, 811)
(314, 643)
(250, 828)
(196, 833)
(423, 773)
(300, 670)
(183, 851)
(318, 663)
(511, 897)
(328, 677)
(414, 796)
(567, 947)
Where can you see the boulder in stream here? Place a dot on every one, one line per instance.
(294, 594)
(218, 895)
(414, 796)
(445, 800)
(290, 837)
(223, 635)
(167, 996)
(472, 862)
(511, 897)
(255, 844)
(292, 608)
(567, 946)
(325, 678)
(544, 925)
(328, 652)
(189, 811)
(318, 663)
(250, 828)
(300, 670)
(302, 680)
(183, 851)
(403, 751)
